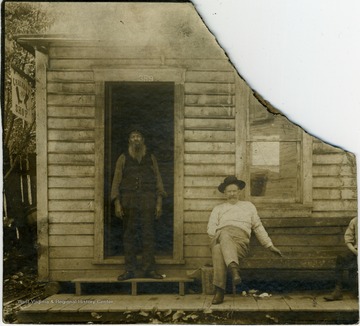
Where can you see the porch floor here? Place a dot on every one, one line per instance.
(296, 308)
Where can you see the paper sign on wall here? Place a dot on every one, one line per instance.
(22, 99)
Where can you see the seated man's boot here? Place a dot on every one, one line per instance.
(234, 270)
(335, 295)
(219, 296)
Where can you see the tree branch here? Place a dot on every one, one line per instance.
(25, 143)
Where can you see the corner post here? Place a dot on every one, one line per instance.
(41, 60)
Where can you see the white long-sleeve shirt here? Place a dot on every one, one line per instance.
(243, 215)
(351, 233)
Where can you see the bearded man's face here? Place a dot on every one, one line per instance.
(136, 140)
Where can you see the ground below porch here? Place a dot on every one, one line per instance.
(305, 307)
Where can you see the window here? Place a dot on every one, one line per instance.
(274, 156)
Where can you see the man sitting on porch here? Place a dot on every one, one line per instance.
(229, 228)
(346, 260)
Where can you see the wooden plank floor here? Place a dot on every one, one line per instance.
(72, 308)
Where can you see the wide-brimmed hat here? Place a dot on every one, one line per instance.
(231, 180)
(135, 128)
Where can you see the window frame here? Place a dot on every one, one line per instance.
(242, 165)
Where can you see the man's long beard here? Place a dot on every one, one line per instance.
(137, 151)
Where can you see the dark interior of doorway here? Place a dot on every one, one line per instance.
(149, 105)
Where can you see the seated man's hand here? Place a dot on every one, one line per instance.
(276, 251)
(118, 209)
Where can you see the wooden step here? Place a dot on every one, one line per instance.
(133, 281)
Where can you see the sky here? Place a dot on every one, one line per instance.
(301, 56)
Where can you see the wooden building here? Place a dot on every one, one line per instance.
(208, 124)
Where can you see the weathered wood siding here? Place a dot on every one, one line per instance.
(309, 238)
(209, 122)
(334, 181)
(209, 153)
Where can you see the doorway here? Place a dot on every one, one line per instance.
(149, 105)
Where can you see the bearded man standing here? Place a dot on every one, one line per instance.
(137, 192)
(230, 226)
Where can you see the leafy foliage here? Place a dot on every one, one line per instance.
(20, 18)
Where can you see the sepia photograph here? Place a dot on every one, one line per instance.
(148, 180)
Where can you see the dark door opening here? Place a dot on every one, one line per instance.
(151, 106)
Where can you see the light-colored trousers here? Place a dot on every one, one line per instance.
(229, 245)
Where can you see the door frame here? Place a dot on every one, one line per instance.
(177, 76)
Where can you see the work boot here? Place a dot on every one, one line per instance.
(219, 296)
(125, 276)
(335, 295)
(234, 270)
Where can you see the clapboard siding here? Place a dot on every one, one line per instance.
(71, 111)
(202, 181)
(110, 51)
(333, 170)
(209, 169)
(71, 217)
(334, 182)
(85, 63)
(209, 88)
(207, 193)
(71, 205)
(206, 111)
(86, 76)
(320, 148)
(338, 158)
(71, 158)
(210, 76)
(335, 214)
(212, 100)
(212, 124)
(71, 228)
(209, 142)
(103, 62)
(206, 136)
(70, 87)
(212, 148)
(196, 216)
(200, 204)
(73, 193)
(335, 205)
(71, 99)
(71, 252)
(71, 123)
(71, 135)
(71, 182)
(209, 158)
(71, 147)
(71, 240)
(70, 170)
(70, 263)
(210, 154)
(334, 193)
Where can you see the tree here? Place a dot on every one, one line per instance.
(18, 137)
(19, 18)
